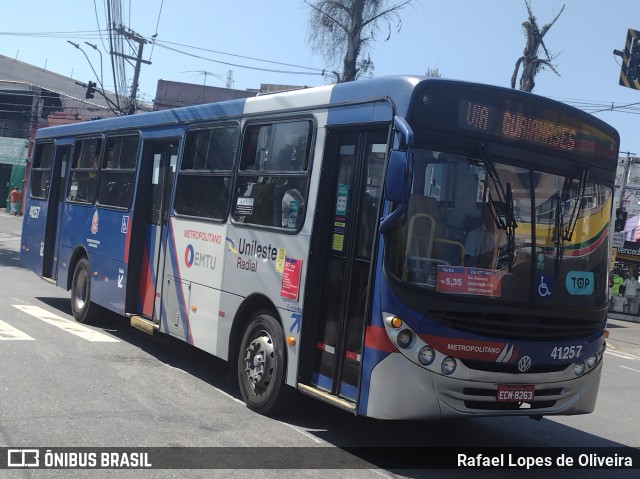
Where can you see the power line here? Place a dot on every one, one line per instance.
(166, 44)
(153, 37)
(235, 64)
(240, 56)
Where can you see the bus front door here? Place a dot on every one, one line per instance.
(61, 164)
(151, 220)
(346, 238)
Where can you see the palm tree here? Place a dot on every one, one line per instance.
(530, 60)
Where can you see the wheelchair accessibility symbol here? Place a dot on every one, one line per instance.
(545, 285)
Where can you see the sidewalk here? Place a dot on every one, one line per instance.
(623, 317)
(5, 212)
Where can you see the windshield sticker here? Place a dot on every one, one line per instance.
(464, 280)
(341, 199)
(544, 283)
(244, 206)
(337, 244)
(580, 283)
(282, 253)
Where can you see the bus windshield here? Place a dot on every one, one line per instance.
(482, 227)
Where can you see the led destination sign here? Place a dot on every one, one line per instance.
(545, 128)
(516, 126)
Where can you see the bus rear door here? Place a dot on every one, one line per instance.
(150, 228)
(56, 196)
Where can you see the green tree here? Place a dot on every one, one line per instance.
(530, 59)
(342, 32)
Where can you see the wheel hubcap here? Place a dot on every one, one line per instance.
(259, 361)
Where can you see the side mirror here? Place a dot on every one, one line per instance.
(399, 175)
(396, 176)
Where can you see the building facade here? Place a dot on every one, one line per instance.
(625, 253)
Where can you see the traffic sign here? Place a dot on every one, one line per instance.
(618, 239)
(630, 70)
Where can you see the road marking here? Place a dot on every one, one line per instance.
(621, 355)
(66, 324)
(9, 333)
(636, 370)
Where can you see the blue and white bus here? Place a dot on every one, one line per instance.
(320, 240)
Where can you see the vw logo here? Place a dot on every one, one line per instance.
(524, 364)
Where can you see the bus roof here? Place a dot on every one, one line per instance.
(398, 90)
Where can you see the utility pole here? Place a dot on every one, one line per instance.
(625, 177)
(230, 79)
(621, 211)
(130, 34)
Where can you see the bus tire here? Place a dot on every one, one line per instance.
(81, 306)
(262, 365)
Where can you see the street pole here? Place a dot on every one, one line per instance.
(138, 59)
(625, 177)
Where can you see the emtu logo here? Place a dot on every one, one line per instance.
(189, 256)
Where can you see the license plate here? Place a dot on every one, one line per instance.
(515, 393)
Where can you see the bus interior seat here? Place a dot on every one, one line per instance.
(450, 251)
(420, 236)
(418, 203)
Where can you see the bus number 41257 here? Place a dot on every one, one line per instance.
(566, 352)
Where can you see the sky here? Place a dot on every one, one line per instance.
(464, 39)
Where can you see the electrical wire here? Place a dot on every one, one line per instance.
(155, 35)
(113, 20)
(240, 56)
(235, 64)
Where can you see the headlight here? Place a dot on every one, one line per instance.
(426, 355)
(404, 338)
(448, 365)
(591, 361)
(578, 368)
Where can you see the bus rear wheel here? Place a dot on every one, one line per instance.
(262, 366)
(81, 306)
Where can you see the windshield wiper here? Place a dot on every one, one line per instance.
(504, 197)
(511, 226)
(558, 240)
(567, 233)
(563, 233)
(497, 184)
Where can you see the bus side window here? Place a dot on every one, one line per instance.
(273, 177)
(84, 170)
(205, 172)
(118, 171)
(41, 170)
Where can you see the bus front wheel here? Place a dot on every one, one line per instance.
(261, 365)
(81, 306)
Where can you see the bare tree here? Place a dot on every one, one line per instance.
(343, 30)
(530, 59)
(433, 72)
